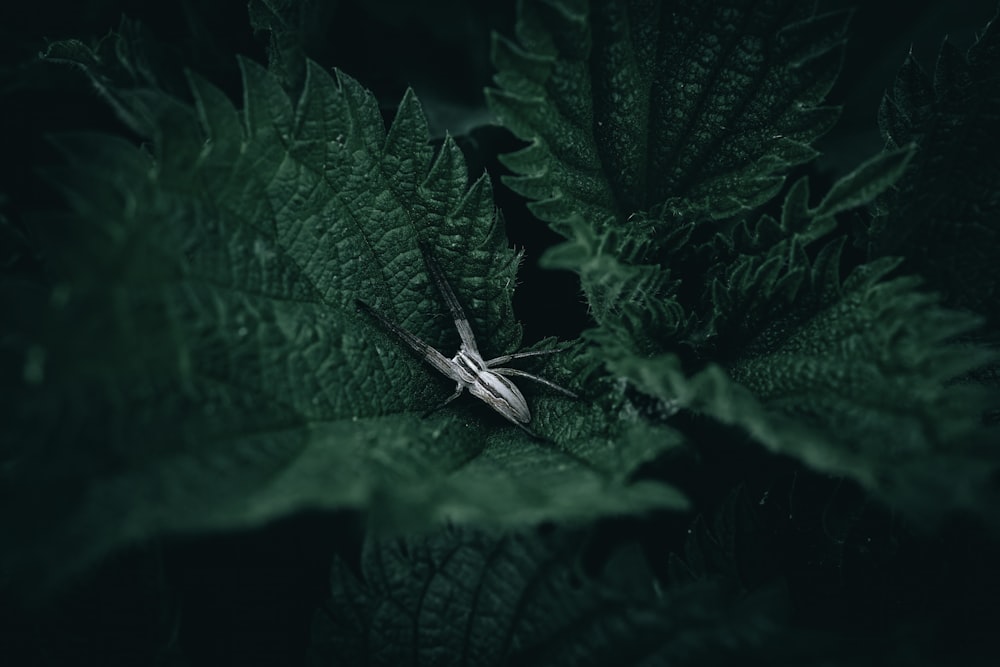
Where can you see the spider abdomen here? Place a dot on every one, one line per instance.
(492, 388)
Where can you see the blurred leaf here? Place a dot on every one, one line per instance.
(650, 128)
(944, 215)
(460, 597)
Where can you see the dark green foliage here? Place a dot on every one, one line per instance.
(852, 375)
(831, 389)
(943, 216)
(470, 599)
(806, 361)
(633, 104)
(222, 375)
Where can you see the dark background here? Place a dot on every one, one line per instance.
(248, 598)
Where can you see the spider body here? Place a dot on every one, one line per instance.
(491, 387)
(484, 379)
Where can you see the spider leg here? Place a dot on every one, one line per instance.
(457, 314)
(458, 392)
(530, 432)
(548, 383)
(520, 355)
(429, 354)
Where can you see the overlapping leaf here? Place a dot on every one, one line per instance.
(647, 125)
(218, 373)
(635, 158)
(762, 272)
(944, 216)
(860, 388)
(463, 598)
(628, 105)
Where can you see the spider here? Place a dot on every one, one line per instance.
(485, 379)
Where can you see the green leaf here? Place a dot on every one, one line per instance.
(628, 105)
(459, 597)
(201, 364)
(649, 130)
(631, 299)
(129, 68)
(735, 284)
(765, 271)
(866, 182)
(293, 29)
(862, 388)
(944, 215)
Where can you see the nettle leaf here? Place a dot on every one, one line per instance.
(632, 299)
(648, 126)
(627, 105)
(763, 271)
(465, 598)
(860, 388)
(652, 137)
(743, 278)
(944, 215)
(202, 363)
(293, 28)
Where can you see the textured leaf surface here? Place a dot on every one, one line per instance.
(219, 375)
(860, 388)
(648, 126)
(461, 598)
(628, 105)
(635, 159)
(725, 290)
(849, 378)
(944, 216)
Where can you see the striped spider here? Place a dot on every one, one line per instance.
(485, 379)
